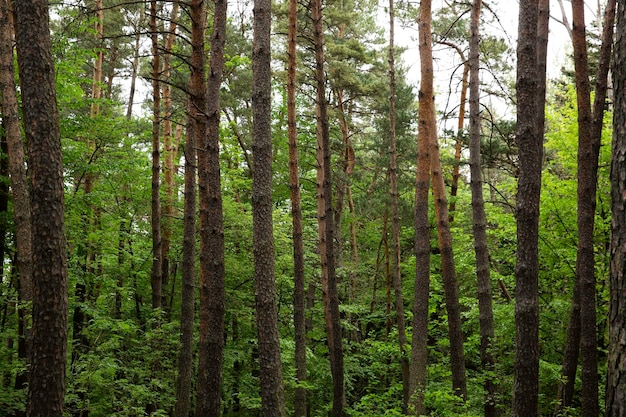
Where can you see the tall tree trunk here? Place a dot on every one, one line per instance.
(300, 400)
(526, 367)
(395, 215)
(616, 375)
(483, 275)
(19, 187)
(157, 273)
(588, 150)
(50, 296)
(325, 218)
(212, 287)
(272, 390)
(196, 131)
(170, 149)
(448, 273)
(570, 356)
(419, 346)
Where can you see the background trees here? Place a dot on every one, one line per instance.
(386, 258)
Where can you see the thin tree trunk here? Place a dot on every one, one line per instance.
(156, 274)
(588, 150)
(19, 187)
(50, 296)
(300, 400)
(480, 220)
(419, 346)
(135, 65)
(170, 149)
(526, 366)
(448, 273)
(325, 218)
(212, 286)
(616, 376)
(395, 215)
(272, 389)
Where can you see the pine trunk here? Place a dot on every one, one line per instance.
(272, 390)
(526, 366)
(50, 295)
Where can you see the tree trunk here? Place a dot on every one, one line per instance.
(419, 346)
(135, 65)
(19, 187)
(212, 286)
(616, 377)
(588, 150)
(157, 273)
(395, 215)
(170, 149)
(325, 218)
(483, 275)
(196, 131)
(448, 273)
(272, 390)
(529, 139)
(300, 400)
(50, 295)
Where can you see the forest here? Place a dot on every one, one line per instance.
(312, 208)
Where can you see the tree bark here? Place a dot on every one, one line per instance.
(196, 131)
(299, 308)
(529, 139)
(588, 150)
(170, 149)
(212, 286)
(419, 346)
(155, 220)
(272, 390)
(325, 218)
(50, 295)
(616, 376)
(448, 273)
(19, 187)
(481, 249)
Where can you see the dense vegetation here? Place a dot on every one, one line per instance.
(122, 356)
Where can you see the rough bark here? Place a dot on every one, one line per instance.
(588, 150)
(170, 150)
(50, 295)
(616, 376)
(19, 187)
(481, 249)
(155, 220)
(325, 218)
(212, 287)
(419, 346)
(300, 405)
(272, 390)
(526, 365)
(196, 130)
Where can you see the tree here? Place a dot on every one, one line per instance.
(483, 274)
(616, 392)
(272, 390)
(196, 131)
(212, 289)
(19, 185)
(50, 288)
(325, 217)
(157, 273)
(299, 308)
(448, 274)
(529, 139)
